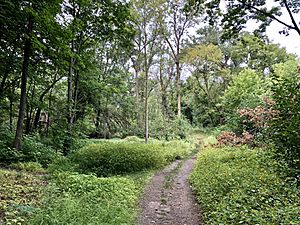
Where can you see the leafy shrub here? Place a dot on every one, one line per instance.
(240, 186)
(110, 158)
(231, 139)
(7, 154)
(28, 166)
(32, 150)
(133, 139)
(86, 199)
(284, 129)
(246, 91)
(61, 164)
(118, 158)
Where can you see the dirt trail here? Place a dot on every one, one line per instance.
(168, 198)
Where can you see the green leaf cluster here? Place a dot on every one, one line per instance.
(245, 91)
(284, 129)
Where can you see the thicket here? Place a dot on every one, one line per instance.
(31, 150)
(246, 91)
(115, 158)
(242, 186)
(284, 127)
(265, 111)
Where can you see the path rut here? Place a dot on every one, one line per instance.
(168, 198)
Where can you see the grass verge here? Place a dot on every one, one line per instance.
(240, 186)
(86, 199)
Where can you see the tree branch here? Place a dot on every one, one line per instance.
(249, 6)
(291, 16)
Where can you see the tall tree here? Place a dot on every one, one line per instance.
(25, 16)
(205, 64)
(238, 13)
(89, 23)
(146, 47)
(177, 22)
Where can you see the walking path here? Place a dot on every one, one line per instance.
(168, 198)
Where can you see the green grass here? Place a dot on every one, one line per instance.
(86, 199)
(119, 158)
(75, 194)
(240, 186)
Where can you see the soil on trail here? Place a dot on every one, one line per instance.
(168, 198)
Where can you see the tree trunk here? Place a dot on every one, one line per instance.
(146, 109)
(178, 88)
(11, 114)
(146, 93)
(25, 67)
(70, 92)
(164, 99)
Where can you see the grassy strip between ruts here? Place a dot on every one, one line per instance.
(240, 186)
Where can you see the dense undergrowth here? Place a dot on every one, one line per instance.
(20, 193)
(97, 184)
(118, 158)
(243, 186)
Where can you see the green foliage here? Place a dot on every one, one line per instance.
(20, 193)
(31, 150)
(284, 129)
(245, 91)
(34, 167)
(61, 164)
(258, 53)
(7, 154)
(117, 158)
(86, 199)
(237, 13)
(111, 158)
(240, 186)
(165, 127)
(176, 149)
(133, 139)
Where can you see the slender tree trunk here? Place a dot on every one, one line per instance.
(37, 118)
(178, 88)
(146, 109)
(164, 100)
(137, 85)
(70, 92)
(48, 117)
(24, 76)
(11, 104)
(75, 97)
(146, 91)
(97, 123)
(30, 111)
